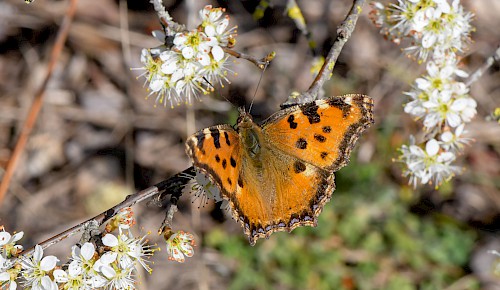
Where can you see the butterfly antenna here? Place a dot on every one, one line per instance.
(210, 84)
(258, 84)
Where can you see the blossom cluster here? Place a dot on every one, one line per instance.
(110, 264)
(433, 27)
(437, 32)
(189, 63)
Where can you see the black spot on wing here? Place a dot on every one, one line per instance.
(290, 120)
(199, 143)
(327, 129)
(215, 133)
(299, 167)
(227, 139)
(232, 161)
(217, 158)
(319, 138)
(301, 143)
(310, 110)
(224, 163)
(323, 155)
(341, 105)
(229, 181)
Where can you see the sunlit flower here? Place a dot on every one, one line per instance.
(215, 27)
(127, 250)
(8, 274)
(454, 141)
(84, 263)
(436, 30)
(193, 44)
(430, 26)
(216, 71)
(36, 270)
(119, 278)
(72, 278)
(428, 166)
(8, 245)
(180, 244)
(192, 63)
(123, 220)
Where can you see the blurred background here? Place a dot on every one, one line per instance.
(98, 139)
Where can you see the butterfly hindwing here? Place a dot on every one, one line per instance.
(322, 132)
(283, 194)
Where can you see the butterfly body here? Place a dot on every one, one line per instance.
(278, 175)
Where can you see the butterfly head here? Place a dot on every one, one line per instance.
(245, 120)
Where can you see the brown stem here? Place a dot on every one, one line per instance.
(480, 71)
(344, 31)
(260, 63)
(38, 101)
(172, 186)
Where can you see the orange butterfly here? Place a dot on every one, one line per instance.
(279, 175)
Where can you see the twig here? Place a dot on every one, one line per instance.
(172, 186)
(260, 63)
(344, 31)
(38, 101)
(480, 71)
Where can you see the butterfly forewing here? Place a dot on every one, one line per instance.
(216, 151)
(322, 132)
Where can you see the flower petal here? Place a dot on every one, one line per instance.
(110, 240)
(108, 271)
(75, 269)
(60, 276)
(38, 254)
(87, 251)
(4, 238)
(432, 147)
(218, 53)
(48, 263)
(4, 276)
(188, 52)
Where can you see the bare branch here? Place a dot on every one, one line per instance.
(344, 31)
(260, 63)
(172, 186)
(480, 71)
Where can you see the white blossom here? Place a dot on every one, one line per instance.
(36, 270)
(180, 244)
(430, 165)
(193, 63)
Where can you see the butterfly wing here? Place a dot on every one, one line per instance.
(302, 146)
(215, 151)
(292, 193)
(323, 132)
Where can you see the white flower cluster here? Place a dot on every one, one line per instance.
(433, 27)
(9, 270)
(109, 267)
(192, 62)
(437, 31)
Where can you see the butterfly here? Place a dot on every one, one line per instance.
(277, 176)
